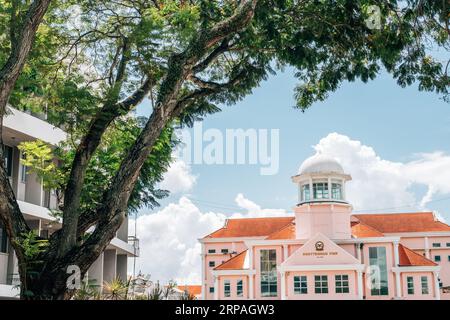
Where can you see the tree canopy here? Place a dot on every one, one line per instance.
(93, 62)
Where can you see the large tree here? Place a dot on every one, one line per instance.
(102, 58)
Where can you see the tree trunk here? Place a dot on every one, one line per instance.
(20, 49)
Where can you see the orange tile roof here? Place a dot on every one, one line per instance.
(361, 230)
(369, 225)
(408, 257)
(287, 232)
(403, 222)
(250, 227)
(234, 263)
(191, 289)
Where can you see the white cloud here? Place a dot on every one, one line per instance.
(169, 238)
(254, 210)
(378, 183)
(178, 178)
(168, 241)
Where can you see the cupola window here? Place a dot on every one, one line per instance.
(320, 190)
(336, 191)
(305, 192)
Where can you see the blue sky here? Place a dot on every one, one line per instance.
(398, 123)
(393, 141)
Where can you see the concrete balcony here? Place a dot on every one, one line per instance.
(130, 248)
(31, 210)
(21, 126)
(8, 291)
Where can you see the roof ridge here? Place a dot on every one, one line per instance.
(391, 213)
(261, 218)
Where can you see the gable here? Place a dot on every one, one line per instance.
(320, 250)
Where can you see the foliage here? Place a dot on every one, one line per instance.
(40, 158)
(32, 246)
(93, 62)
(186, 295)
(116, 289)
(88, 291)
(75, 62)
(327, 42)
(161, 292)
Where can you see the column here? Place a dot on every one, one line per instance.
(204, 288)
(285, 252)
(398, 287)
(251, 290)
(427, 248)
(396, 259)
(329, 188)
(358, 252)
(360, 285)
(216, 288)
(283, 285)
(437, 290)
(311, 193)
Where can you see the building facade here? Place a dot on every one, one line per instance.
(324, 251)
(36, 204)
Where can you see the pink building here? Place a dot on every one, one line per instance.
(325, 252)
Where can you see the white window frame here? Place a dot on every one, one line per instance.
(226, 288)
(410, 285)
(300, 284)
(424, 285)
(321, 284)
(342, 283)
(240, 288)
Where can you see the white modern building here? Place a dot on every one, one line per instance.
(36, 204)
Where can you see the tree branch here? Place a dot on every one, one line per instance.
(10, 214)
(89, 143)
(112, 209)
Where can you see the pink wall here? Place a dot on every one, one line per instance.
(314, 218)
(417, 286)
(332, 295)
(233, 283)
(218, 258)
(415, 243)
(418, 245)
(444, 273)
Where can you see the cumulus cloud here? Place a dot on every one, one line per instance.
(379, 183)
(178, 177)
(169, 238)
(254, 210)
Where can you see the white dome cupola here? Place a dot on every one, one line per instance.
(322, 206)
(320, 163)
(321, 178)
